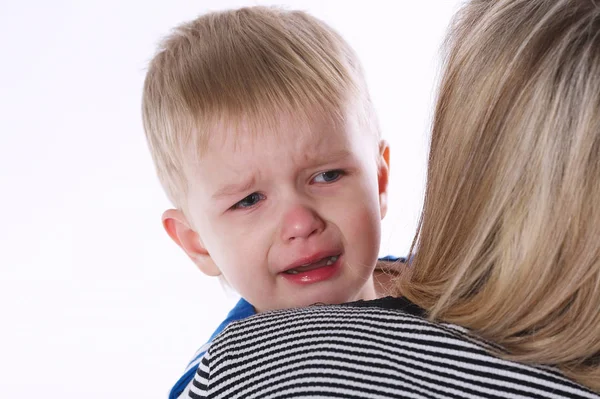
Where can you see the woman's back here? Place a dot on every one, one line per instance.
(372, 349)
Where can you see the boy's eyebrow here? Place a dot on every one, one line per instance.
(317, 158)
(234, 188)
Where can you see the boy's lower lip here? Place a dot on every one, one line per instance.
(315, 275)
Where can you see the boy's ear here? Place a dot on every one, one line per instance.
(383, 174)
(180, 231)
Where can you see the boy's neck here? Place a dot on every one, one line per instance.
(385, 275)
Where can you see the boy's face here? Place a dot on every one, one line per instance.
(289, 217)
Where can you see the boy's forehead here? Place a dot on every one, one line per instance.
(299, 132)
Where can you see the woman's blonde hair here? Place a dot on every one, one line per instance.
(249, 66)
(509, 239)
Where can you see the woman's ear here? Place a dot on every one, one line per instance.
(383, 173)
(179, 229)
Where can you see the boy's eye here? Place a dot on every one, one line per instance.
(248, 201)
(328, 177)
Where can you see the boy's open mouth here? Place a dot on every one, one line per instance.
(328, 261)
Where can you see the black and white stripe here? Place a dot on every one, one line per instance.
(364, 352)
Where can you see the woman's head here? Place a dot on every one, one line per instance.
(509, 241)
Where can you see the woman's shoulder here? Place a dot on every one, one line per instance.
(390, 321)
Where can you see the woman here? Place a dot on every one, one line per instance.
(503, 295)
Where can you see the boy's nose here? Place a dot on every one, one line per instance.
(301, 222)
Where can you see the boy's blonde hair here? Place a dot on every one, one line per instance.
(509, 239)
(244, 68)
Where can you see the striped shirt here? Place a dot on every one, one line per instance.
(369, 349)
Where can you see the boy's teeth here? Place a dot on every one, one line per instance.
(332, 260)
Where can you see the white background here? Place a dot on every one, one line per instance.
(95, 300)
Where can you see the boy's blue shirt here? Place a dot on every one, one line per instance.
(240, 311)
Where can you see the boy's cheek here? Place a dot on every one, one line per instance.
(362, 224)
(245, 243)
